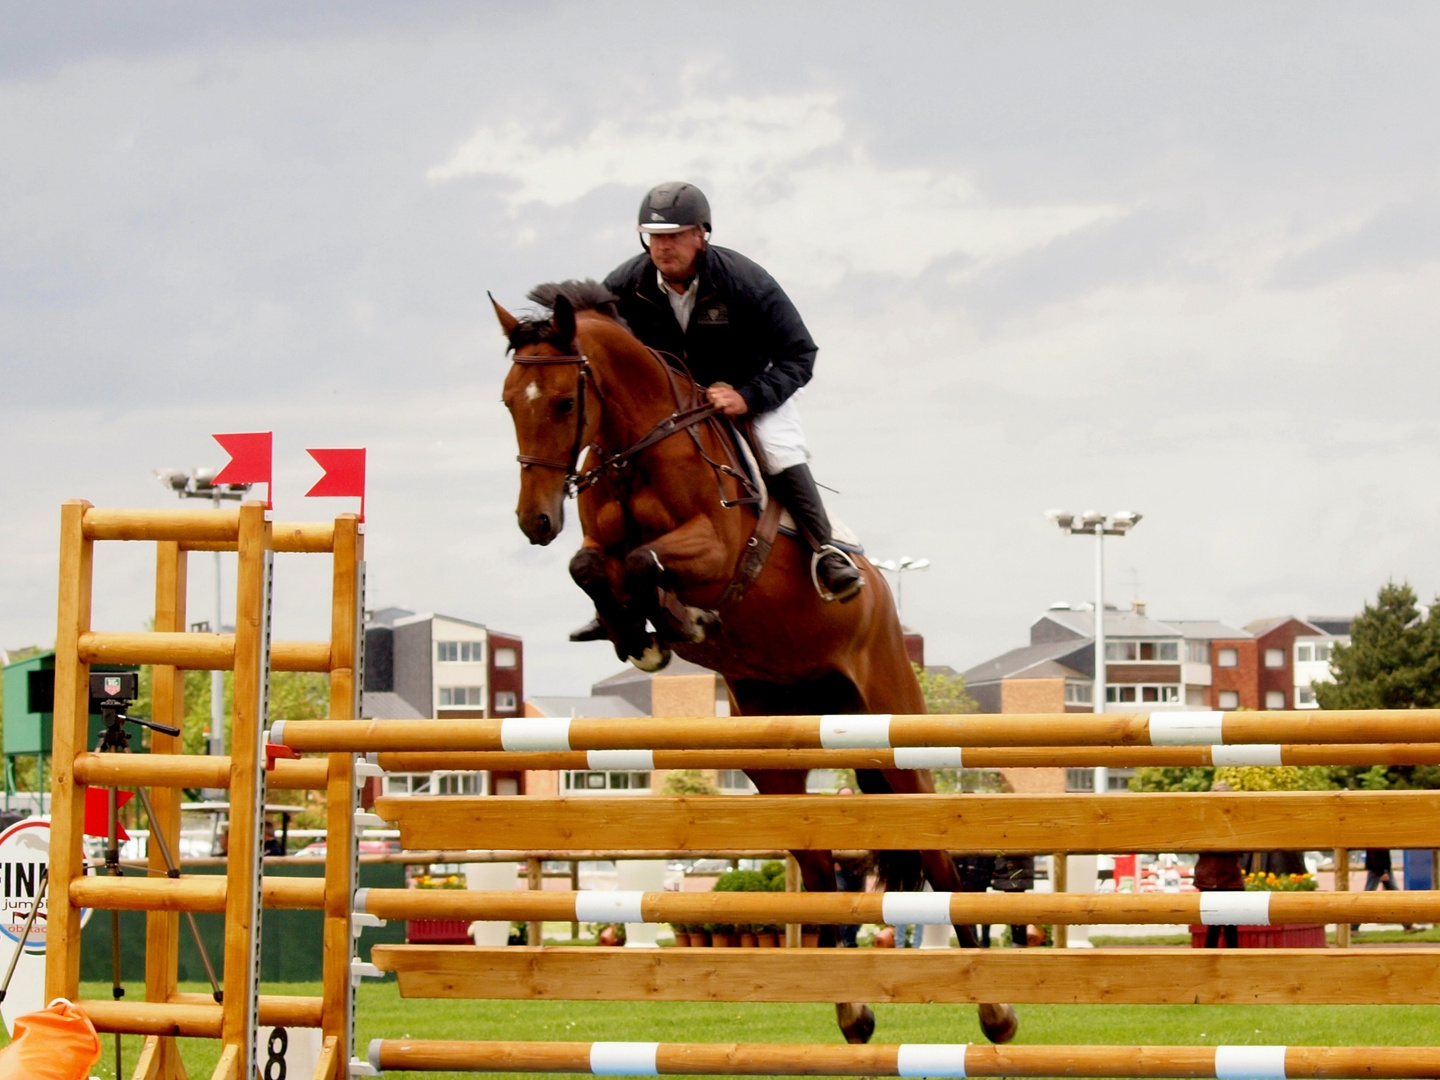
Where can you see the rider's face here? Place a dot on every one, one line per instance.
(675, 253)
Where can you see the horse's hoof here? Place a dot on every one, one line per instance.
(655, 657)
(999, 1022)
(857, 1021)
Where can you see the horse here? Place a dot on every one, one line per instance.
(668, 525)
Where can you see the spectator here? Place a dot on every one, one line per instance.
(1015, 873)
(273, 844)
(976, 874)
(1380, 874)
(1220, 871)
(850, 875)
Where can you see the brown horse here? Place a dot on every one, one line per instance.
(661, 549)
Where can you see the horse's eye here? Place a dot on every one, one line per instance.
(564, 405)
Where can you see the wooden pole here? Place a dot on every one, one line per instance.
(1016, 824)
(162, 928)
(72, 723)
(196, 652)
(1307, 727)
(190, 771)
(574, 887)
(347, 606)
(794, 932)
(247, 790)
(535, 932)
(1342, 884)
(1060, 882)
(778, 1059)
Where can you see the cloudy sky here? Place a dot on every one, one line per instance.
(1182, 261)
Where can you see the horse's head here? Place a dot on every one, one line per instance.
(547, 392)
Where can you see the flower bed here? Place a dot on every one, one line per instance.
(1297, 936)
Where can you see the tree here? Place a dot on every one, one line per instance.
(688, 782)
(1392, 662)
(944, 693)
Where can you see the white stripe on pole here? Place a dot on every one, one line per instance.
(521, 733)
(608, 907)
(624, 1059)
(925, 908)
(1246, 754)
(621, 759)
(855, 732)
(1185, 728)
(1235, 908)
(1250, 1062)
(928, 757)
(931, 1059)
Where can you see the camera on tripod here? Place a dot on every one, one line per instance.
(113, 692)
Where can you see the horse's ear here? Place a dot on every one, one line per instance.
(564, 319)
(508, 322)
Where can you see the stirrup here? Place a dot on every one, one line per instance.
(825, 594)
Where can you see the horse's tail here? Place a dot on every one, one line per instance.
(900, 871)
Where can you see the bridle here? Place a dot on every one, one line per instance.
(682, 419)
(584, 381)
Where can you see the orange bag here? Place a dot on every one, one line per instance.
(58, 1043)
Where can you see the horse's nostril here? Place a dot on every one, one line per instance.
(545, 522)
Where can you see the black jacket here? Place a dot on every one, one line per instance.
(744, 329)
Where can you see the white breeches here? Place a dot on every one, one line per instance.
(781, 438)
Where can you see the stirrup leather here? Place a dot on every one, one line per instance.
(825, 594)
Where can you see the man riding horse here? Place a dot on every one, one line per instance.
(727, 321)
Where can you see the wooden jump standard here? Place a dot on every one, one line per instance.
(906, 1059)
(239, 895)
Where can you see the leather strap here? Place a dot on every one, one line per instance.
(752, 559)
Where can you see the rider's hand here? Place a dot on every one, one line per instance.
(728, 401)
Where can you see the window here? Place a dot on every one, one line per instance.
(1304, 653)
(1144, 651)
(1197, 652)
(583, 781)
(1322, 652)
(505, 701)
(460, 652)
(1084, 779)
(1305, 697)
(734, 782)
(462, 695)
(506, 658)
(1155, 695)
(1274, 658)
(1227, 658)
(1274, 699)
(1079, 693)
(1229, 700)
(434, 783)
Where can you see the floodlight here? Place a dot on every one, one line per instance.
(174, 479)
(1063, 518)
(1126, 519)
(1091, 518)
(888, 564)
(204, 478)
(919, 564)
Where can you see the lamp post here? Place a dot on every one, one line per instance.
(200, 484)
(1094, 523)
(898, 568)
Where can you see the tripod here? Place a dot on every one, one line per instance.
(115, 739)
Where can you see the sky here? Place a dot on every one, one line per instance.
(1178, 260)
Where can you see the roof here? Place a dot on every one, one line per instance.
(1205, 629)
(386, 616)
(1118, 624)
(385, 705)
(598, 705)
(1338, 625)
(1264, 626)
(1018, 663)
(632, 674)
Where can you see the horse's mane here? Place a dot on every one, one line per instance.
(587, 295)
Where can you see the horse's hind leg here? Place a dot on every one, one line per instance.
(998, 1021)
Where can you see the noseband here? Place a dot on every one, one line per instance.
(585, 379)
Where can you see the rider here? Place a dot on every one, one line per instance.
(739, 335)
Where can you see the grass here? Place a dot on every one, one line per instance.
(1369, 937)
(381, 1013)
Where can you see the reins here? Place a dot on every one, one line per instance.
(682, 419)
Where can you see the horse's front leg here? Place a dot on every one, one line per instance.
(596, 572)
(689, 555)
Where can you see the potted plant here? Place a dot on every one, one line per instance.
(1285, 936)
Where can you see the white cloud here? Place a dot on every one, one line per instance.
(785, 175)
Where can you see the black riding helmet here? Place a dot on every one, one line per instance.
(670, 207)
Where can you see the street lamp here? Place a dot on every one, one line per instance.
(200, 484)
(898, 569)
(1094, 523)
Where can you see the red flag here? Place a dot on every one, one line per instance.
(251, 454)
(344, 474)
(97, 812)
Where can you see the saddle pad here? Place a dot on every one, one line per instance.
(841, 535)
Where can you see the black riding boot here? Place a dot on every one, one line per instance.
(796, 490)
(591, 631)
